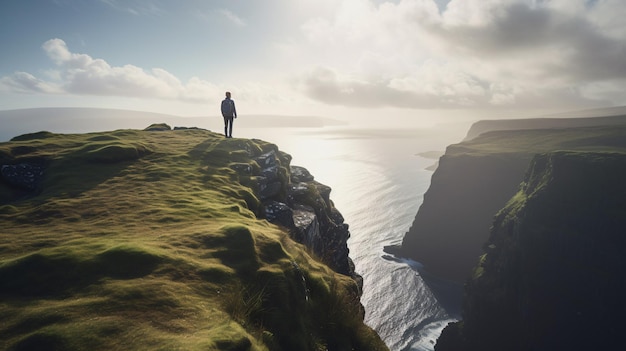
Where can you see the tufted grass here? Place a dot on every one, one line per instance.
(148, 240)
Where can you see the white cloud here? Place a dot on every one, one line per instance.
(411, 54)
(135, 7)
(475, 53)
(23, 82)
(80, 74)
(233, 18)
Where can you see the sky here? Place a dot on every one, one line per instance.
(371, 61)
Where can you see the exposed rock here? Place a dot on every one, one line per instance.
(453, 222)
(552, 277)
(300, 174)
(292, 198)
(24, 175)
(308, 228)
(268, 190)
(275, 211)
(474, 180)
(336, 216)
(269, 165)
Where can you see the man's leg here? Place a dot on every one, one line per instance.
(226, 126)
(230, 130)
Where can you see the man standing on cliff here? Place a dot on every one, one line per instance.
(229, 113)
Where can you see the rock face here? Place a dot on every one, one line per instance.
(474, 180)
(454, 219)
(552, 277)
(25, 176)
(292, 198)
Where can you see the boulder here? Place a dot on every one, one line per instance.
(308, 229)
(300, 174)
(269, 165)
(302, 205)
(279, 212)
(24, 175)
(268, 190)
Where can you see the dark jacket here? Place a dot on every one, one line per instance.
(228, 108)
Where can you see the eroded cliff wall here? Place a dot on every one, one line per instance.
(454, 219)
(552, 277)
(474, 180)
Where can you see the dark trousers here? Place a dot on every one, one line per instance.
(228, 126)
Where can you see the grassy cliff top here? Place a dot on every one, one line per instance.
(149, 240)
(532, 141)
(600, 117)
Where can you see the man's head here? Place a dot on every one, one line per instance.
(228, 94)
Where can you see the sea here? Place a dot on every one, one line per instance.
(378, 179)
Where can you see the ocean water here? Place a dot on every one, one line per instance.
(378, 181)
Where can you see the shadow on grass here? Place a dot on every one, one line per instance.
(42, 341)
(56, 273)
(71, 164)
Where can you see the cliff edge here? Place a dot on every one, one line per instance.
(473, 182)
(552, 275)
(170, 239)
(484, 126)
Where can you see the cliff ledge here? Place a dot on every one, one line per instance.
(170, 239)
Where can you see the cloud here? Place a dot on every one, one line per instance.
(24, 82)
(413, 54)
(324, 84)
(135, 7)
(232, 18)
(473, 53)
(450, 90)
(570, 45)
(80, 74)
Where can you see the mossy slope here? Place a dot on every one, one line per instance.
(149, 240)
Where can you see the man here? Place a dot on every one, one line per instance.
(228, 112)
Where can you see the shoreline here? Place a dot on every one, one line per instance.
(449, 294)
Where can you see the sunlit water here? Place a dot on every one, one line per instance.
(378, 184)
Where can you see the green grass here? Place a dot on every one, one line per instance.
(148, 240)
(543, 140)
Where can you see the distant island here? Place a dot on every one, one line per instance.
(171, 239)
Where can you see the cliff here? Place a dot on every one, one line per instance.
(552, 275)
(474, 180)
(484, 126)
(170, 239)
